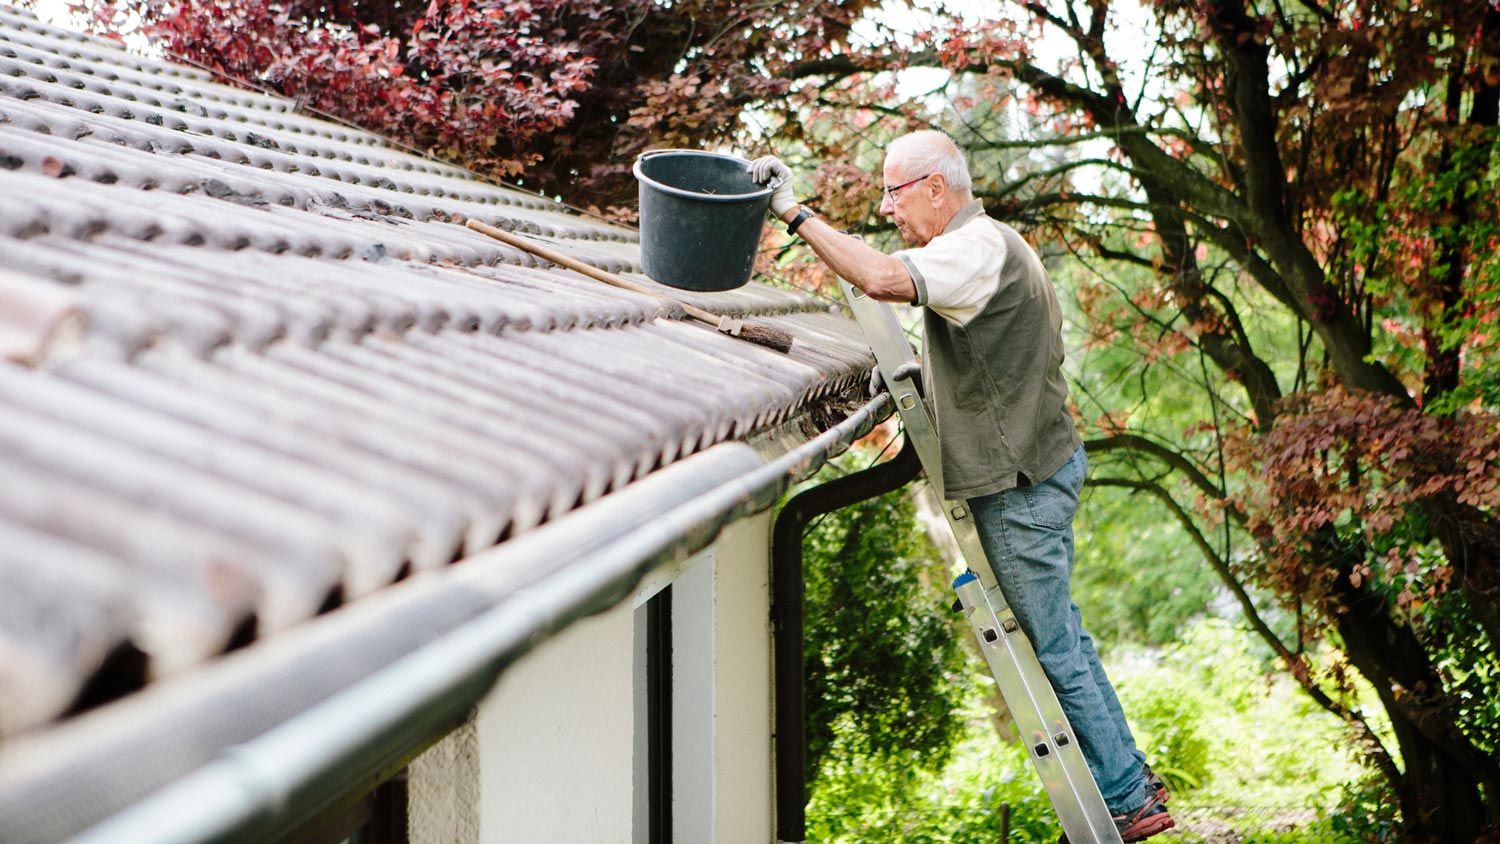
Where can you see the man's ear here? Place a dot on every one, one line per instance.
(937, 188)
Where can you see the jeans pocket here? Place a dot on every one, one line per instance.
(1053, 502)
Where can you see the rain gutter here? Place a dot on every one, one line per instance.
(264, 740)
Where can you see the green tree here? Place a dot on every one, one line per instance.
(1286, 334)
(1137, 578)
(1284, 213)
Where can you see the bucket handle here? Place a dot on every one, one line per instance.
(650, 153)
(775, 183)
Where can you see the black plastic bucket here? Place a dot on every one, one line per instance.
(701, 218)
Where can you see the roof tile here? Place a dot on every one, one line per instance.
(259, 368)
(63, 610)
(36, 318)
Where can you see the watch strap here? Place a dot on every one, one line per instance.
(802, 216)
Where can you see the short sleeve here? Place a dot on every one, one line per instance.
(957, 272)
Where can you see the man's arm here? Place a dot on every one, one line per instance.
(879, 275)
(882, 277)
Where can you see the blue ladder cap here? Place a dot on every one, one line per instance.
(965, 578)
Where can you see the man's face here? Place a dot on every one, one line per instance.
(912, 201)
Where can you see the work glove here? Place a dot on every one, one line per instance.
(909, 370)
(768, 170)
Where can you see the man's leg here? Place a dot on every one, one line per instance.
(1106, 688)
(1027, 534)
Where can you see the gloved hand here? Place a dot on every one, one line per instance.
(768, 170)
(910, 370)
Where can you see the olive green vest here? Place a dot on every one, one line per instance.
(996, 383)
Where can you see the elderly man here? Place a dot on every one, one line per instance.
(992, 363)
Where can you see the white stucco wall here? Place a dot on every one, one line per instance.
(722, 692)
(556, 739)
(742, 684)
(694, 696)
(443, 791)
(551, 754)
(547, 756)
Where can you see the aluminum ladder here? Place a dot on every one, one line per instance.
(1038, 715)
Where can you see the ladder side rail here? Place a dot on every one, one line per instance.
(1043, 727)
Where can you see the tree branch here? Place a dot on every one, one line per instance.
(1137, 444)
(1053, 141)
(1119, 123)
(1237, 247)
(1268, 218)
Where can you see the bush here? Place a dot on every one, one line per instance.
(1213, 719)
(884, 654)
(959, 804)
(1251, 759)
(1167, 718)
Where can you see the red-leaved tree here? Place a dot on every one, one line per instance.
(557, 95)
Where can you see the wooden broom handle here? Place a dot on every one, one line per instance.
(526, 244)
(761, 335)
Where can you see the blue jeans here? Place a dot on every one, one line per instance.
(1027, 533)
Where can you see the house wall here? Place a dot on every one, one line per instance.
(443, 791)
(743, 739)
(552, 754)
(547, 753)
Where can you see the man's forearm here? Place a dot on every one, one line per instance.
(879, 275)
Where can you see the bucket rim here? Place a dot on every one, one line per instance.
(687, 194)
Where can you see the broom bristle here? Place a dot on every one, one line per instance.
(765, 335)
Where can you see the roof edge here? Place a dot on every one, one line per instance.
(223, 760)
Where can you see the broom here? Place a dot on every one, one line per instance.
(761, 335)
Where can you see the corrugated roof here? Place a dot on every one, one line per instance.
(255, 368)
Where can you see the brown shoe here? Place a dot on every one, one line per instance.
(1144, 822)
(1154, 785)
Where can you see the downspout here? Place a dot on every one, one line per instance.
(786, 614)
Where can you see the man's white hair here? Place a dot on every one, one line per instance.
(930, 151)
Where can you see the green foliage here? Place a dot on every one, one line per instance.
(859, 803)
(1322, 830)
(1468, 660)
(1249, 756)
(1212, 716)
(1367, 813)
(1423, 251)
(883, 650)
(1168, 715)
(1136, 578)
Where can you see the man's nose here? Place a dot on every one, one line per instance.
(887, 207)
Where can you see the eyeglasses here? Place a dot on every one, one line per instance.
(890, 193)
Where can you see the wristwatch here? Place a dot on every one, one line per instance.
(803, 216)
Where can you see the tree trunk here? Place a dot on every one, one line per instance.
(1440, 789)
(1471, 542)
